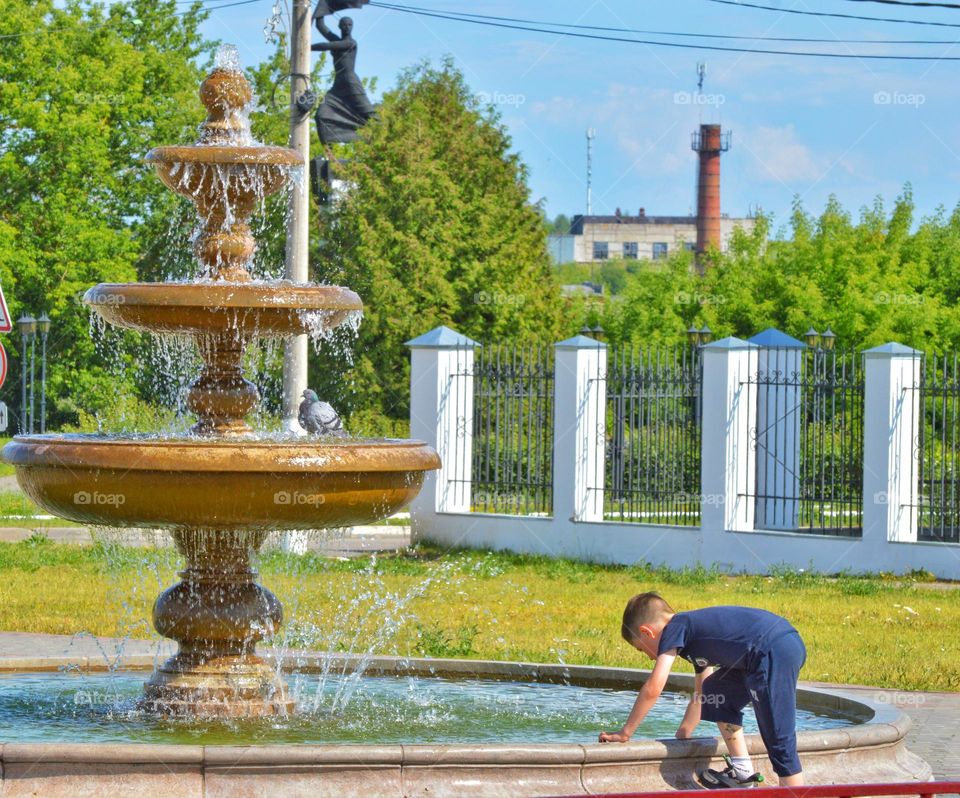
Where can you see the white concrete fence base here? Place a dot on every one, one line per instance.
(750, 449)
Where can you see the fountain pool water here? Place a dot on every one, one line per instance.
(103, 707)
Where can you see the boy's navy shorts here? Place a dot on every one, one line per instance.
(772, 689)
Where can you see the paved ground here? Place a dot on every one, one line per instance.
(935, 735)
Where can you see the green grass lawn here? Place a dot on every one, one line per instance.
(497, 606)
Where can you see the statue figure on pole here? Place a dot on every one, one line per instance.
(345, 107)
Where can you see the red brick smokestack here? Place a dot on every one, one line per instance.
(709, 142)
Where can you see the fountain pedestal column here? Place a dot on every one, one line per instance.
(217, 614)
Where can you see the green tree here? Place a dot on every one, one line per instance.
(436, 227)
(85, 91)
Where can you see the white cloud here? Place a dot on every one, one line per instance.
(776, 154)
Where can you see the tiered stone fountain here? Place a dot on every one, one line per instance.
(221, 490)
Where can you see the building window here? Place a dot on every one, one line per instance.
(631, 249)
(659, 250)
(689, 246)
(601, 250)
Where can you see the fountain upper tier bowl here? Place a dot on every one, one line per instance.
(217, 171)
(271, 484)
(254, 308)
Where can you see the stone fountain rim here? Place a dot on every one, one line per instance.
(883, 726)
(177, 456)
(225, 154)
(215, 295)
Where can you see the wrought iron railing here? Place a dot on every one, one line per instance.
(513, 430)
(652, 429)
(938, 464)
(808, 441)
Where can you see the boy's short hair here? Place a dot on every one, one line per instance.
(644, 608)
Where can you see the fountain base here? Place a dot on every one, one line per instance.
(243, 686)
(217, 614)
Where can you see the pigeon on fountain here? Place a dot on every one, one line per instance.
(317, 417)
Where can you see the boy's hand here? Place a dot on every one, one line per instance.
(614, 737)
(685, 732)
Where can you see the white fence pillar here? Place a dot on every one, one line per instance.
(441, 414)
(728, 465)
(579, 434)
(891, 419)
(779, 407)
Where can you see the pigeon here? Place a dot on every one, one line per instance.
(319, 418)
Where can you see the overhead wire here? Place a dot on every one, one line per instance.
(836, 15)
(652, 43)
(687, 34)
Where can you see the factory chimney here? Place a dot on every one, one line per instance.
(709, 142)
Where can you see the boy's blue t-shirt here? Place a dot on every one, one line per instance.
(728, 637)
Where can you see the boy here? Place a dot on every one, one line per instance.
(741, 655)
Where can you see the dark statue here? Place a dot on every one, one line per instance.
(345, 107)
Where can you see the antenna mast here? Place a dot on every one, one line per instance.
(591, 135)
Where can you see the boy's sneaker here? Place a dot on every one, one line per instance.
(726, 778)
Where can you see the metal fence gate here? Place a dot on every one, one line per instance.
(652, 424)
(808, 441)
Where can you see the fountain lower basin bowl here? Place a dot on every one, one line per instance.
(269, 484)
(865, 742)
(249, 308)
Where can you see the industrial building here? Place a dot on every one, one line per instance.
(597, 238)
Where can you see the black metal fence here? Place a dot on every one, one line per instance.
(513, 430)
(808, 441)
(937, 478)
(652, 428)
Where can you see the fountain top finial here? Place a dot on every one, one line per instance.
(225, 93)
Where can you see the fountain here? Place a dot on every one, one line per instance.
(222, 489)
(219, 491)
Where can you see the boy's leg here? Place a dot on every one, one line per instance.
(724, 695)
(774, 697)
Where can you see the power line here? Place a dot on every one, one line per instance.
(742, 4)
(683, 33)
(910, 3)
(681, 45)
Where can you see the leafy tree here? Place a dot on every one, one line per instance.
(85, 91)
(437, 227)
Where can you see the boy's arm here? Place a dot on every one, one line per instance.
(647, 697)
(692, 716)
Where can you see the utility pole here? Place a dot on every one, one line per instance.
(298, 226)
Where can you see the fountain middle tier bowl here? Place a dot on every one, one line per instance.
(304, 483)
(251, 308)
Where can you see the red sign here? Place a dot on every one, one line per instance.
(3, 364)
(5, 323)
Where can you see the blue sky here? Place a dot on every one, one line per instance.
(801, 126)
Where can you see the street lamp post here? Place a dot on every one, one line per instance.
(43, 324)
(27, 326)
